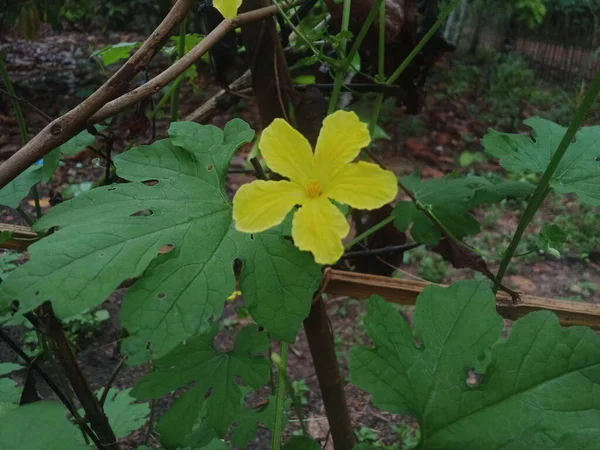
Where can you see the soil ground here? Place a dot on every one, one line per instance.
(55, 73)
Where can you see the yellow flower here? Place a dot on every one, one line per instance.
(227, 8)
(318, 226)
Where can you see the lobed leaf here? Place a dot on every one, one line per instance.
(539, 390)
(113, 233)
(579, 170)
(212, 371)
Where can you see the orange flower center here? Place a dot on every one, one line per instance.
(313, 188)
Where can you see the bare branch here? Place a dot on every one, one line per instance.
(62, 129)
(157, 83)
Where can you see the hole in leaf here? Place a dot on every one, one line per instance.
(37, 293)
(143, 213)
(597, 159)
(151, 182)
(210, 167)
(252, 236)
(289, 239)
(111, 189)
(161, 295)
(473, 378)
(166, 248)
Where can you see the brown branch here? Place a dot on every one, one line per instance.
(32, 364)
(45, 321)
(62, 129)
(405, 292)
(157, 83)
(221, 99)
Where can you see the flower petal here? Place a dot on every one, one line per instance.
(260, 205)
(286, 151)
(363, 185)
(340, 140)
(319, 227)
(227, 8)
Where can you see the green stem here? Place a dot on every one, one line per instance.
(369, 232)
(176, 86)
(441, 19)
(22, 125)
(381, 53)
(381, 71)
(340, 73)
(543, 186)
(345, 64)
(280, 397)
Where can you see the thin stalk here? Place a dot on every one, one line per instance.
(340, 73)
(345, 64)
(441, 19)
(22, 125)
(167, 96)
(176, 86)
(543, 186)
(381, 70)
(280, 397)
(370, 231)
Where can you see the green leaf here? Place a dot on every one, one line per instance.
(6, 368)
(301, 443)
(39, 426)
(551, 239)
(9, 391)
(113, 53)
(197, 360)
(5, 236)
(12, 194)
(102, 241)
(364, 447)
(123, 415)
(450, 200)
(77, 143)
(200, 437)
(248, 421)
(540, 384)
(579, 169)
(216, 444)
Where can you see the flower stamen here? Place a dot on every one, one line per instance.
(313, 188)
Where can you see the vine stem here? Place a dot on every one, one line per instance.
(280, 396)
(543, 186)
(441, 19)
(177, 82)
(370, 231)
(341, 72)
(22, 125)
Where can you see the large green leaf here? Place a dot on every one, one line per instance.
(301, 443)
(39, 426)
(541, 385)
(114, 233)
(248, 421)
(579, 169)
(450, 200)
(123, 415)
(197, 360)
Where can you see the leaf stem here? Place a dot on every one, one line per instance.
(369, 232)
(441, 19)
(280, 397)
(543, 186)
